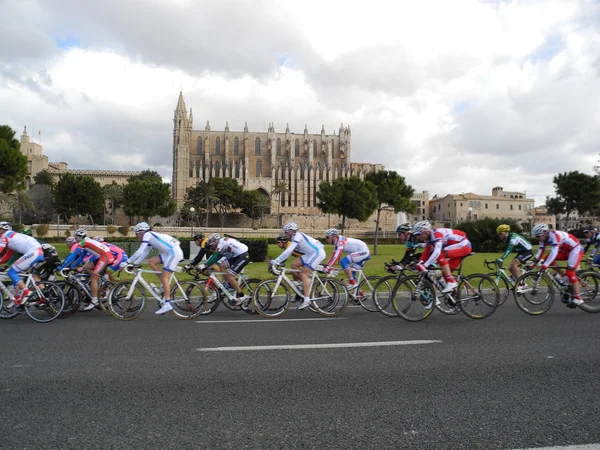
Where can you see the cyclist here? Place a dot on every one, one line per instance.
(31, 251)
(444, 245)
(120, 256)
(517, 242)
(231, 256)
(405, 236)
(314, 253)
(357, 254)
(97, 253)
(563, 247)
(283, 242)
(201, 242)
(593, 238)
(170, 254)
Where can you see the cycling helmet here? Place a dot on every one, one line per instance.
(332, 232)
(213, 238)
(290, 226)
(81, 233)
(281, 238)
(403, 228)
(421, 227)
(503, 228)
(5, 226)
(70, 241)
(27, 231)
(98, 238)
(197, 236)
(141, 227)
(591, 228)
(539, 229)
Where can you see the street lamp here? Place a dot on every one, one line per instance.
(192, 210)
(470, 210)
(530, 220)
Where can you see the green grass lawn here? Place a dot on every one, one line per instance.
(375, 266)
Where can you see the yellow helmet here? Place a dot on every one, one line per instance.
(503, 228)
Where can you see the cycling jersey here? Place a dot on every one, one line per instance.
(357, 252)
(203, 251)
(519, 243)
(227, 248)
(595, 241)
(313, 250)
(564, 246)
(454, 243)
(168, 247)
(30, 249)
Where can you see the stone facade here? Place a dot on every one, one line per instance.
(258, 160)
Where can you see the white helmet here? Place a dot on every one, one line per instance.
(213, 238)
(141, 227)
(5, 226)
(331, 232)
(290, 226)
(70, 240)
(539, 229)
(421, 227)
(81, 233)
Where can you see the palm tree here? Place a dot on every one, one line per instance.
(207, 197)
(279, 188)
(19, 201)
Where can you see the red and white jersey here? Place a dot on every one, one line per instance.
(347, 245)
(96, 248)
(446, 236)
(230, 247)
(558, 241)
(18, 242)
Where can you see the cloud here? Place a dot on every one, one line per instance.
(457, 96)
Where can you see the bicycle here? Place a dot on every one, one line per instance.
(360, 293)
(329, 297)
(44, 304)
(127, 299)
(78, 292)
(503, 280)
(477, 295)
(218, 293)
(535, 292)
(382, 293)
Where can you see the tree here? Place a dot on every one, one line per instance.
(79, 195)
(19, 201)
(202, 197)
(253, 204)
(575, 191)
(13, 164)
(147, 195)
(45, 178)
(279, 188)
(228, 191)
(349, 197)
(43, 202)
(391, 190)
(113, 193)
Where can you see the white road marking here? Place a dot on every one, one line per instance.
(315, 346)
(268, 320)
(567, 447)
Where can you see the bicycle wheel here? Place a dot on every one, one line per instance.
(329, 297)
(382, 295)
(270, 299)
(7, 313)
(589, 286)
(72, 298)
(188, 299)
(364, 293)
(125, 301)
(47, 304)
(534, 293)
(478, 296)
(503, 286)
(248, 285)
(413, 300)
(104, 287)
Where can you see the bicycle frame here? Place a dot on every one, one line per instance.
(283, 278)
(140, 279)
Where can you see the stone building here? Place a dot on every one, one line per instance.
(37, 162)
(258, 160)
(501, 204)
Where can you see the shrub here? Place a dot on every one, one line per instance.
(42, 229)
(111, 229)
(67, 233)
(124, 230)
(257, 248)
(18, 227)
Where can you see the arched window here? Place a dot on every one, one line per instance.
(278, 150)
(257, 147)
(218, 146)
(297, 147)
(236, 146)
(302, 172)
(259, 168)
(199, 146)
(315, 149)
(237, 170)
(217, 169)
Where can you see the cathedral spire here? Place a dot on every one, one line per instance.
(246, 127)
(181, 105)
(227, 126)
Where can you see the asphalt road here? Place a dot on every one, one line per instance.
(509, 381)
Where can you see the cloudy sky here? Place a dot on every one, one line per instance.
(456, 96)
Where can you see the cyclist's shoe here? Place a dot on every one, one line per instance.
(429, 305)
(305, 304)
(350, 286)
(521, 289)
(450, 286)
(21, 298)
(166, 307)
(565, 298)
(297, 298)
(239, 299)
(91, 306)
(575, 302)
